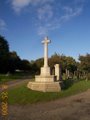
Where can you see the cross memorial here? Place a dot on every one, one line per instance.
(45, 81)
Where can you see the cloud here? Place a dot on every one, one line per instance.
(38, 2)
(50, 14)
(59, 16)
(42, 30)
(2, 24)
(45, 12)
(18, 5)
(70, 13)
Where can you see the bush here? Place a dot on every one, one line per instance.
(88, 76)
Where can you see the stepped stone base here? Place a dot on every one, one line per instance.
(41, 78)
(45, 82)
(45, 86)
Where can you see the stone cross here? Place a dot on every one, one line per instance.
(46, 41)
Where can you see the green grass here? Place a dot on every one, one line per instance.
(23, 95)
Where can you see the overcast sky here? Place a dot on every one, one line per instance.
(25, 23)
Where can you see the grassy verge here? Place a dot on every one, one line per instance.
(23, 95)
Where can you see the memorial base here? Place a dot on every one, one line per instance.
(41, 78)
(45, 84)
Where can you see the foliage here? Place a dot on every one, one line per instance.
(25, 65)
(4, 55)
(84, 63)
(71, 64)
(34, 68)
(88, 76)
(39, 62)
(64, 61)
(14, 61)
(84, 66)
(10, 61)
(4, 47)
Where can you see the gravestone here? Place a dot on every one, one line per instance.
(58, 72)
(45, 81)
(67, 74)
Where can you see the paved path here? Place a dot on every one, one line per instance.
(14, 83)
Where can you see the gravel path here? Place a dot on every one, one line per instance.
(14, 83)
(17, 82)
(76, 107)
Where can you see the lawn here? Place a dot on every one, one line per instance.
(22, 95)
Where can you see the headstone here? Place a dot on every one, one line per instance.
(67, 73)
(57, 72)
(45, 81)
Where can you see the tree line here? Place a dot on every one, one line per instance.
(11, 62)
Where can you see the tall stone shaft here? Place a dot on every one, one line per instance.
(46, 42)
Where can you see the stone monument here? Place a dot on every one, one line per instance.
(58, 72)
(45, 81)
(67, 74)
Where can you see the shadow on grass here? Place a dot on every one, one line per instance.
(67, 83)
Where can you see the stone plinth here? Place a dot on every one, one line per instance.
(41, 78)
(45, 83)
(45, 71)
(45, 86)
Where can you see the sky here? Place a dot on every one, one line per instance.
(25, 23)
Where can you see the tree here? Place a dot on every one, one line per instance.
(39, 62)
(84, 65)
(71, 64)
(34, 68)
(64, 61)
(4, 55)
(14, 61)
(55, 59)
(36, 65)
(25, 65)
(84, 62)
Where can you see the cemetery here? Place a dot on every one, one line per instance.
(49, 82)
(44, 60)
